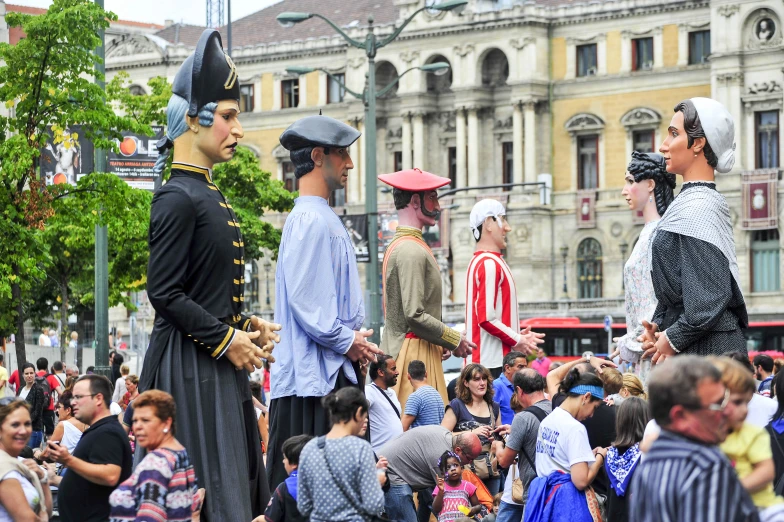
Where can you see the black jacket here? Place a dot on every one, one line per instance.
(37, 405)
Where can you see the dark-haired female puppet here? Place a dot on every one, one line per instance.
(648, 189)
(318, 292)
(693, 265)
(202, 346)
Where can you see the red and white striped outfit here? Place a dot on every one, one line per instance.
(492, 317)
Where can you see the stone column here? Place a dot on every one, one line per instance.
(460, 145)
(473, 147)
(277, 103)
(406, 137)
(529, 109)
(419, 140)
(517, 143)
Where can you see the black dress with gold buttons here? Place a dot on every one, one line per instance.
(195, 281)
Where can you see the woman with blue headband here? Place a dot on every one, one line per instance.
(565, 463)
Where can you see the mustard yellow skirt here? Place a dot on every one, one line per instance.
(428, 353)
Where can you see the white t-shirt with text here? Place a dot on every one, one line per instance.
(562, 442)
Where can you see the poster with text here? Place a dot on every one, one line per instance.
(66, 157)
(136, 158)
(357, 228)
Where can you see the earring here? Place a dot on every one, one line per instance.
(650, 199)
(166, 430)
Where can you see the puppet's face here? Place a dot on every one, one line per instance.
(675, 149)
(431, 205)
(496, 228)
(637, 194)
(219, 141)
(336, 166)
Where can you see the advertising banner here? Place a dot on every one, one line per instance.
(357, 227)
(136, 158)
(66, 157)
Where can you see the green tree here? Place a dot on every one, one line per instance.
(46, 82)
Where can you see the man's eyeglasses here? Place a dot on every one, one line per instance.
(723, 405)
(80, 397)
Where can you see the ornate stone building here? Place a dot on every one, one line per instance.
(551, 93)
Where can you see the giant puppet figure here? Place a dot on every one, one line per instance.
(412, 284)
(318, 291)
(202, 347)
(695, 273)
(648, 189)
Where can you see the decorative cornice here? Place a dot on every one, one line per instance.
(463, 50)
(521, 42)
(409, 56)
(357, 62)
(728, 10)
(733, 77)
(641, 116)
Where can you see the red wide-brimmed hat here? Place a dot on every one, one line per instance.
(414, 180)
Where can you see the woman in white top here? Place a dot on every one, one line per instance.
(24, 493)
(119, 387)
(68, 431)
(563, 453)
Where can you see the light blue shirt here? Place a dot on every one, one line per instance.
(318, 302)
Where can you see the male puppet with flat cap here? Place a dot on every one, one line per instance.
(202, 346)
(412, 285)
(318, 292)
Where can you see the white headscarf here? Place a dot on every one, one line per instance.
(482, 210)
(719, 130)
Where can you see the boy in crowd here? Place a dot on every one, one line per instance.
(283, 504)
(425, 406)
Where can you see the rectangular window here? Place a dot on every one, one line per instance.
(642, 54)
(588, 162)
(765, 249)
(398, 161)
(290, 93)
(767, 132)
(644, 140)
(586, 60)
(452, 159)
(699, 47)
(507, 156)
(247, 98)
(338, 198)
(335, 92)
(289, 179)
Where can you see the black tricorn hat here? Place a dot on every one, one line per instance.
(208, 75)
(318, 131)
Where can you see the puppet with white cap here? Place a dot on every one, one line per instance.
(695, 275)
(493, 319)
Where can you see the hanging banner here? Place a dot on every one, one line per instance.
(136, 158)
(66, 157)
(357, 228)
(586, 208)
(760, 202)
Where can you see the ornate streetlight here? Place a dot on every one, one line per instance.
(267, 268)
(371, 45)
(624, 246)
(564, 255)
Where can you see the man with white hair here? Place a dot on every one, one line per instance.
(492, 317)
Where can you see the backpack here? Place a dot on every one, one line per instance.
(518, 488)
(44, 384)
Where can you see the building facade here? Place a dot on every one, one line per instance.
(550, 94)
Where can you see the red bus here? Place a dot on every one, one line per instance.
(569, 337)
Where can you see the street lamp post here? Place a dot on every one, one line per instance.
(564, 255)
(371, 45)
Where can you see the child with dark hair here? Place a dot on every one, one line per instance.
(624, 455)
(283, 505)
(453, 498)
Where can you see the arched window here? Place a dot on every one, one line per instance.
(386, 74)
(137, 90)
(495, 69)
(439, 83)
(589, 269)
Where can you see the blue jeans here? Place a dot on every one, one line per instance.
(493, 485)
(510, 512)
(35, 439)
(399, 504)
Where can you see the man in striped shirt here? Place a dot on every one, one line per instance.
(492, 318)
(685, 477)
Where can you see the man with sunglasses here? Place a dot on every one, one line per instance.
(685, 477)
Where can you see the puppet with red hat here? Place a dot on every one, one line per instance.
(412, 284)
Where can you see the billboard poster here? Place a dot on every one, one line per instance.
(134, 161)
(357, 228)
(66, 157)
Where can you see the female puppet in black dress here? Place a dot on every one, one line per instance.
(695, 273)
